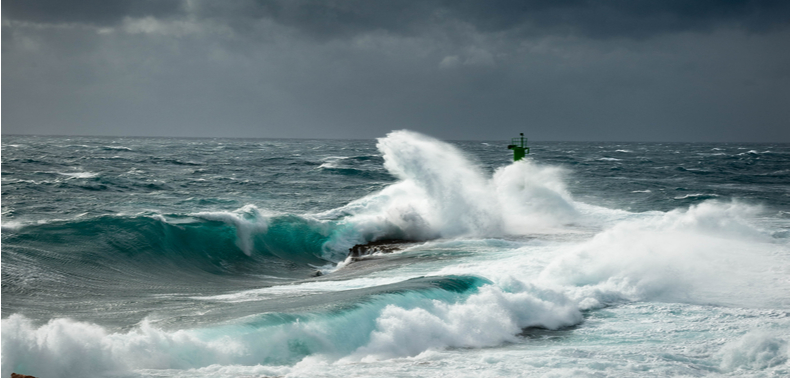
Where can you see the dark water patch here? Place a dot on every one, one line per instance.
(94, 186)
(368, 158)
(182, 162)
(359, 173)
(210, 201)
(546, 334)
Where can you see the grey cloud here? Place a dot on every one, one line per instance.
(89, 12)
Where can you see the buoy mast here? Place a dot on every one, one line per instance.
(519, 147)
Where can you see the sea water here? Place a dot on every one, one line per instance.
(156, 257)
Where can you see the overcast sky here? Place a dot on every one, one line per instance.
(664, 70)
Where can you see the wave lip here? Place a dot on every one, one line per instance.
(247, 220)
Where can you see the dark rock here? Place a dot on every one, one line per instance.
(15, 375)
(317, 273)
(382, 246)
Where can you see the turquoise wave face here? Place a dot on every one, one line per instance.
(115, 252)
(345, 321)
(293, 238)
(180, 244)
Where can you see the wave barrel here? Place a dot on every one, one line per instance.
(519, 147)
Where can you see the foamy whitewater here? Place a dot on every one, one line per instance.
(146, 257)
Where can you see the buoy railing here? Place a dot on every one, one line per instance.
(519, 147)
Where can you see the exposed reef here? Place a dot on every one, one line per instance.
(380, 246)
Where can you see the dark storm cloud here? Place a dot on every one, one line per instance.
(598, 19)
(581, 70)
(330, 19)
(631, 18)
(90, 12)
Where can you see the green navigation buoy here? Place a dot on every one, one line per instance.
(519, 147)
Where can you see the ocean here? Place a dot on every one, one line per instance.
(166, 257)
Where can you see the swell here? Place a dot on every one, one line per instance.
(113, 247)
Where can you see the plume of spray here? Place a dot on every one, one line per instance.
(442, 194)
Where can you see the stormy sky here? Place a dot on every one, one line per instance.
(621, 70)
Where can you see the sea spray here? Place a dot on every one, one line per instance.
(708, 253)
(442, 194)
(533, 198)
(458, 195)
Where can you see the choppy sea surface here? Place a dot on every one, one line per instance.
(154, 257)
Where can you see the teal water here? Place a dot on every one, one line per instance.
(155, 257)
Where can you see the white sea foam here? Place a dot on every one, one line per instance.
(485, 319)
(16, 225)
(756, 350)
(79, 174)
(696, 195)
(710, 253)
(10, 226)
(331, 162)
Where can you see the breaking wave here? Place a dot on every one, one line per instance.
(440, 194)
(435, 312)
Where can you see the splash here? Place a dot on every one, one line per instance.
(709, 253)
(442, 194)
